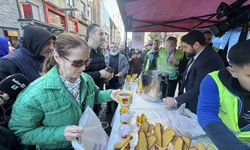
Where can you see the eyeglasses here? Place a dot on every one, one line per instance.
(78, 63)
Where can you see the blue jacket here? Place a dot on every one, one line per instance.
(209, 108)
(4, 48)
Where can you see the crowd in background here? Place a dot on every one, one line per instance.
(69, 72)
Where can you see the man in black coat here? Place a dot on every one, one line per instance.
(203, 60)
(97, 68)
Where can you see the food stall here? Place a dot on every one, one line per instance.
(146, 117)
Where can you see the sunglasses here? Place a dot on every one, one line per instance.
(78, 63)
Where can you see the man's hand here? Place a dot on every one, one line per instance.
(173, 61)
(71, 132)
(169, 102)
(105, 74)
(112, 75)
(118, 74)
(3, 97)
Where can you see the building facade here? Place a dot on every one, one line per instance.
(9, 14)
(56, 15)
(52, 15)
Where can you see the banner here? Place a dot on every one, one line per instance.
(137, 40)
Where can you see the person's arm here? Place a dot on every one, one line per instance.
(99, 96)
(8, 67)
(208, 110)
(144, 62)
(26, 120)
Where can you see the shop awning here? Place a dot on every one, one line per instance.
(169, 15)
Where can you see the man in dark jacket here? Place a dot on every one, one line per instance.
(38, 42)
(203, 61)
(97, 69)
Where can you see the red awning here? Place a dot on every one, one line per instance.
(169, 15)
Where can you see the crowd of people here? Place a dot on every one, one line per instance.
(68, 72)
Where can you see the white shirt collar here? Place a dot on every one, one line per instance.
(196, 56)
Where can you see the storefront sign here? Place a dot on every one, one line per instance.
(12, 33)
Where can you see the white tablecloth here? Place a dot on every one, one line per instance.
(155, 113)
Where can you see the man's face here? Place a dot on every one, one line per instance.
(170, 46)
(47, 48)
(102, 46)
(11, 48)
(156, 45)
(98, 36)
(188, 49)
(242, 74)
(121, 48)
(106, 45)
(149, 47)
(113, 47)
(208, 38)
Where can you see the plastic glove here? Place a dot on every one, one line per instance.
(172, 75)
(114, 94)
(151, 56)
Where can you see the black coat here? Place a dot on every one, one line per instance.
(206, 62)
(97, 64)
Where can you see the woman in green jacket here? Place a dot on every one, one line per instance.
(47, 112)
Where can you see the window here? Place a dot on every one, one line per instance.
(82, 7)
(70, 2)
(36, 12)
(83, 10)
(31, 11)
(55, 19)
(89, 15)
(90, 2)
(27, 10)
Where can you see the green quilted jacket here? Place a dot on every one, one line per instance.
(43, 110)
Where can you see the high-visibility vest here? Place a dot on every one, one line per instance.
(149, 62)
(164, 65)
(229, 109)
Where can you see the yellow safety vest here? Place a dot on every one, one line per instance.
(164, 65)
(229, 109)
